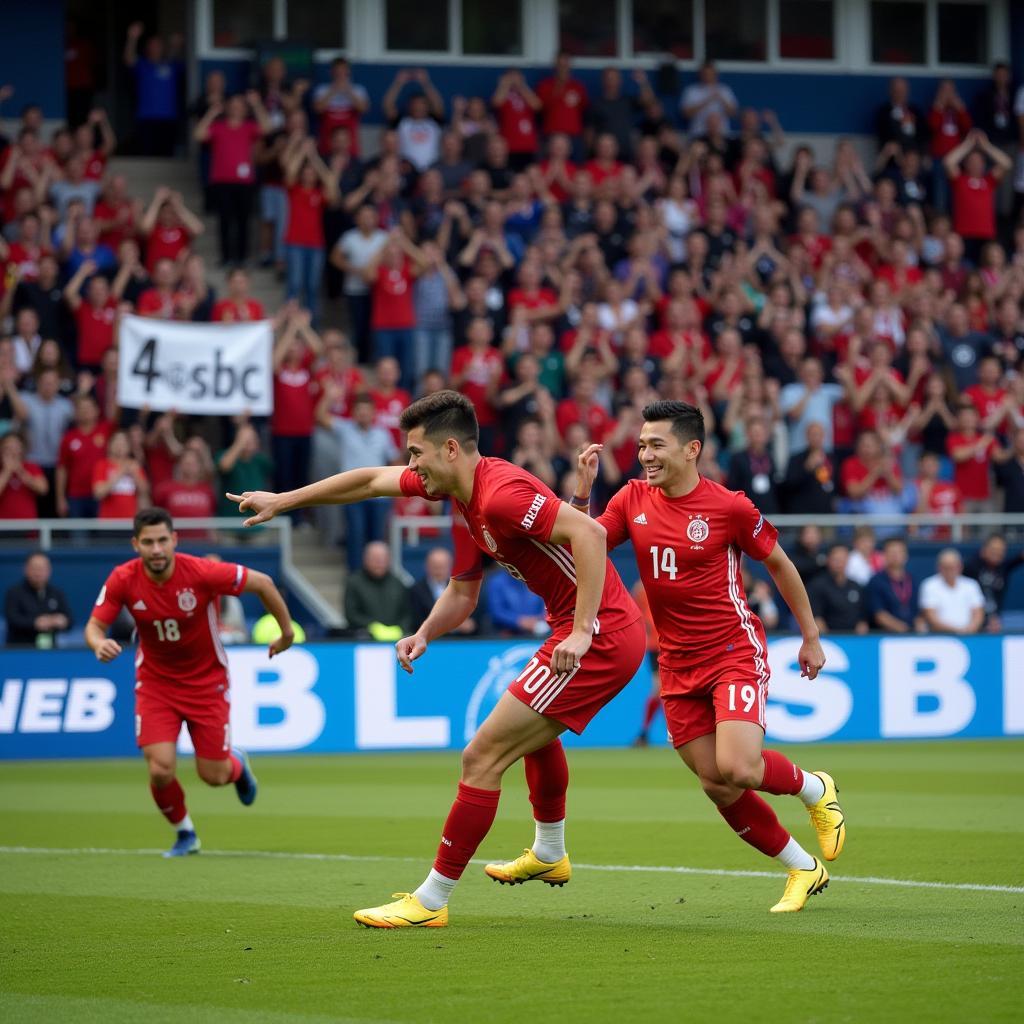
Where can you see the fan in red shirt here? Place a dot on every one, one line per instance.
(161, 301)
(115, 212)
(935, 496)
(237, 306)
(388, 397)
(974, 188)
(181, 669)
(516, 105)
(596, 644)
(988, 397)
(681, 332)
(188, 494)
(581, 407)
(95, 316)
(168, 227)
(390, 272)
(21, 482)
(689, 536)
(477, 369)
(539, 302)
(605, 163)
(28, 250)
(971, 451)
(81, 447)
(557, 170)
(339, 375)
(119, 483)
(563, 101)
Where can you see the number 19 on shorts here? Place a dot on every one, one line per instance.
(747, 696)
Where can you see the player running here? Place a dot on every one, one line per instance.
(595, 647)
(181, 669)
(688, 535)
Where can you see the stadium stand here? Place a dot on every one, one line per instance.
(562, 249)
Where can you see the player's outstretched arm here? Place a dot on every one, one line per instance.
(340, 489)
(98, 642)
(587, 465)
(589, 544)
(451, 609)
(794, 593)
(260, 584)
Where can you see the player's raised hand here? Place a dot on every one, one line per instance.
(811, 658)
(108, 650)
(586, 467)
(281, 644)
(265, 505)
(409, 648)
(566, 655)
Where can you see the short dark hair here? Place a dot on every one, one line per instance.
(151, 517)
(889, 541)
(442, 415)
(687, 420)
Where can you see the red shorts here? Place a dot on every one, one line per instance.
(697, 699)
(573, 698)
(160, 711)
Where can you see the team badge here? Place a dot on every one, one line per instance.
(489, 540)
(187, 600)
(698, 529)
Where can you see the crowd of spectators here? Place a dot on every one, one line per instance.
(852, 330)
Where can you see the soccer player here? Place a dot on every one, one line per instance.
(595, 647)
(688, 535)
(181, 669)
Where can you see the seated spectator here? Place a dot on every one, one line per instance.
(119, 483)
(753, 469)
(991, 568)
(514, 609)
(21, 483)
(35, 610)
(950, 602)
(892, 592)
(82, 447)
(376, 601)
(838, 603)
(437, 573)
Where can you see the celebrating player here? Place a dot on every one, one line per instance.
(181, 670)
(688, 535)
(595, 647)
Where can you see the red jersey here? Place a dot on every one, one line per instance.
(389, 411)
(305, 217)
(350, 381)
(593, 417)
(510, 517)
(95, 331)
(16, 500)
(688, 553)
(853, 471)
(295, 398)
(985, 401)
(155, 303)
(476, 369)
(391, 299)
(26, 258)
(179, 645)
(563, 106)
(516, 123)
(231, 147)
(971, 476)
(228, 311)
(166, 244)
(112, 214)
(79, 453)
(122, 501)
(974, 206)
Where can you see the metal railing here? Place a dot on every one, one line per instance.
(45, 531)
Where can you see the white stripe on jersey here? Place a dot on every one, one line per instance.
(238, 576)
(562, 558)
(743, 611)
(218, 647)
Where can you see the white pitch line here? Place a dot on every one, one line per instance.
(906, 883)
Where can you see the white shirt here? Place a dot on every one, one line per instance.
(858, 568)
(359, 249)
(723, 100)
(419, 141)
(952, 605)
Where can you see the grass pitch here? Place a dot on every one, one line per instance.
(258, 928)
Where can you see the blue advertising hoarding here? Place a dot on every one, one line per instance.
(325, 698)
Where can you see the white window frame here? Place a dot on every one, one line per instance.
(206, 50)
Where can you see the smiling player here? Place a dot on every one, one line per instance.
(181, 669)
(595, 647)
(688, 535)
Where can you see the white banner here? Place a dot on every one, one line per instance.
(208, 369)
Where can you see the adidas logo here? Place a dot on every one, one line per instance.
(139, 606)
(641, 519)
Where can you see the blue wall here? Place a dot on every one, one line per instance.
(818, 102)
(351, 697)
(32, 55)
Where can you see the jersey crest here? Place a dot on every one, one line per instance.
(698, 529)
(187, 600)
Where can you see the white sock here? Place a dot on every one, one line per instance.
(185, 825)
(795, 856)
(435, 890)
(549, 841)
(812, 790)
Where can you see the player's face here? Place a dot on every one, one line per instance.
(155, 546)
(430, 462)
(662, 455)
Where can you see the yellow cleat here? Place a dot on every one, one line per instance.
(405, 912)
(528, 868)
(828, 819)
(800, 885)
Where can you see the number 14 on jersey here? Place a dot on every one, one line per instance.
(664, 562)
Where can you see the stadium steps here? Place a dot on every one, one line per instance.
(322, 564)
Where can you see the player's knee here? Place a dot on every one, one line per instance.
(161, 773)
(739, 774)
(479, 764)
(214, 773)
(718, 791)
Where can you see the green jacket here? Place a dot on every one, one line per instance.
(377, 599)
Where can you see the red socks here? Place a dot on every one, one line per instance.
(469, 820)
(781, 776)
(236, 768)
(547, 775)
(170, 800)
(650, 710)
(755, 822)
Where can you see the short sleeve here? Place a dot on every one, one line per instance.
(614, 518)
(224, 577)
(519, 509)
(928, 598)
(110, 600)
(412, 486)
(467, 563)
(749, 529)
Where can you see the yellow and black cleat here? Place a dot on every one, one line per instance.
(528, 868)
(828, 819)
(405, 912)
(800, 885)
